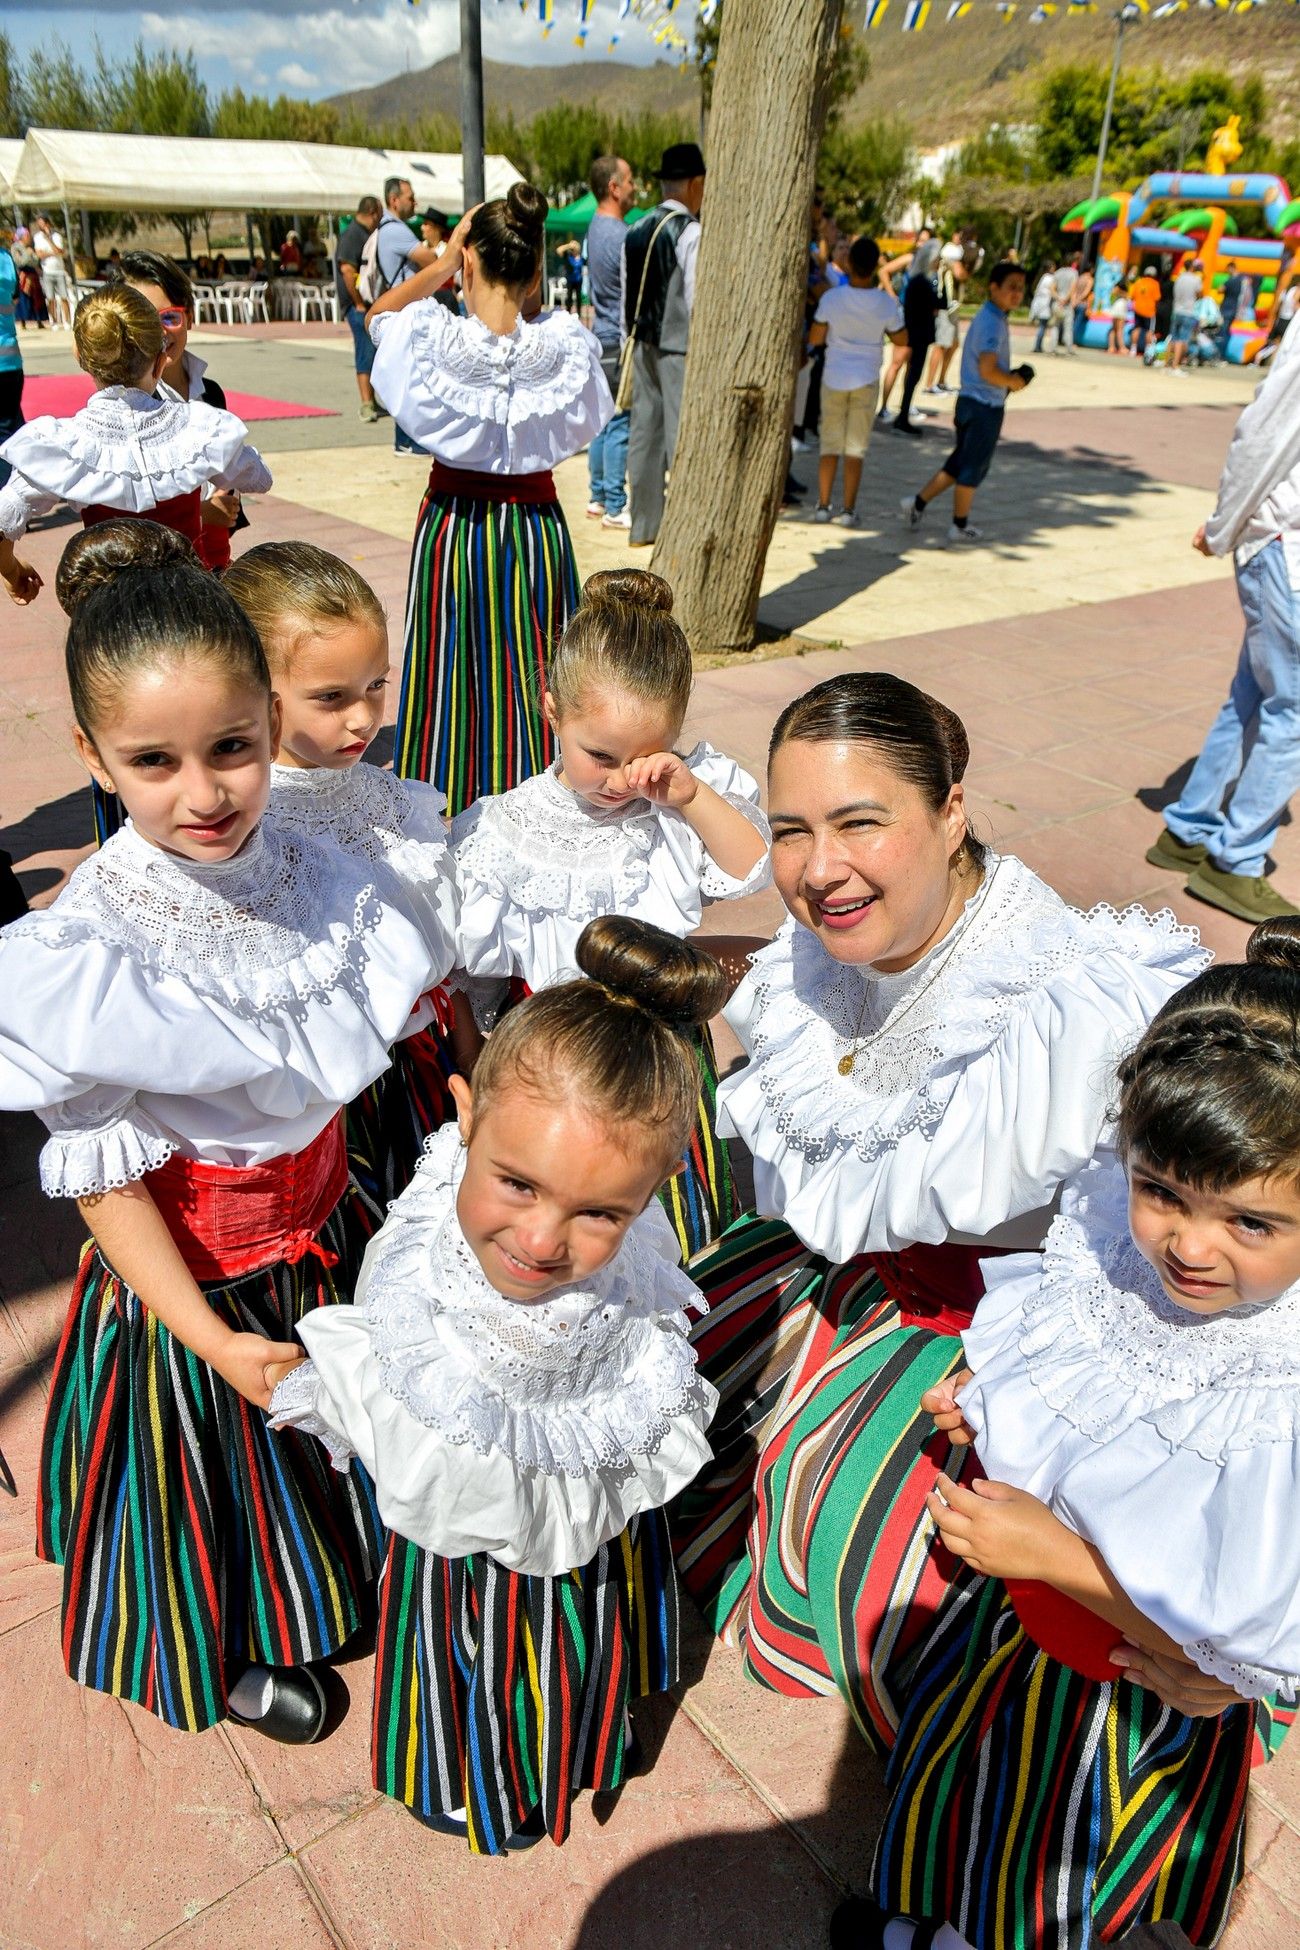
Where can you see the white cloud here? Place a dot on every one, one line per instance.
(294, 75)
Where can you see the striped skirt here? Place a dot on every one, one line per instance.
(701, 1198)
(492, 586)
(193, 1540)
(106, 810)
(499, 1693)
(1034, 1809)
(387, 1125)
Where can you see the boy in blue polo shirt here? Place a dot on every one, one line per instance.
(987, 376)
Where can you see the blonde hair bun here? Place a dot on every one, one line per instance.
(639, 588)
(118, 335)
(99, 555)
(647, 968)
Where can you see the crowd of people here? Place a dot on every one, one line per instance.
(417, 1275)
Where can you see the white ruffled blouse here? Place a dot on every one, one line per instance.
(534, 1432)
(396, 828)
(224, 1011)
(494, 403)
(982, 1076)
(127, 450)
(535, 864)
(1169, 1440)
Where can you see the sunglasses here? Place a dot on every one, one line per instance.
(172, 318)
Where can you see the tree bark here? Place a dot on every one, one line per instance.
(733, 446)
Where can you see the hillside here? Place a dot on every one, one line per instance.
(509, 87)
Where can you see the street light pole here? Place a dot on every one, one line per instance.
(1124, 18)
(471, 102)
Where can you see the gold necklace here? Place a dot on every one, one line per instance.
(846, 1063)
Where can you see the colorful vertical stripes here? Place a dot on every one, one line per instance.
(499, 1693)
(106, 809)
(492, 586)
(387, 1125)
(701, 1198)
(194, 1540)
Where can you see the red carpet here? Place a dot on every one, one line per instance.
(65, 392)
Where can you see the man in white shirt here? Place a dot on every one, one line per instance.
(1187, 295)
(658, 291)
(852, 321)
(1251, 758)
(51, 253)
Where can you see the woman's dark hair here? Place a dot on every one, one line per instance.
(508, 235)
(916, 736)
(153, 267)
(1211, 1094)
(98, 555)
(151, 615)
(618, 1043)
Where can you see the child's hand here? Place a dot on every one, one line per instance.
(22, 582)
(254, 1366)
(1178, 1682)
(1199, 542)
(663, 779)
(1001, 1532)
(941, 1402)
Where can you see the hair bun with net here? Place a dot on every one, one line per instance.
(638, 588)
(1276, 944)
(110, 549)
(526, 210)
(652, 970)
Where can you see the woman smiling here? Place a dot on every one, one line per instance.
(931, 1040)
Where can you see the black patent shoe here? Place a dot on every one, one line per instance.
(441, 1824)
(292, 1708)
(529, 1835)
(859, 1924)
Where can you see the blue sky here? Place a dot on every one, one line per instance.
(297, 48)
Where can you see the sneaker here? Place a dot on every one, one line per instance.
(798, 444)
(595, 511)
(821, 514)
(885, 417)
(970, 533)
(621, 520)
(368, 411)
(849, 519)
(910, 512)
(1248, 896)
(1174, 854)
(934, 391)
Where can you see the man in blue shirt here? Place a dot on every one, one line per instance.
(987, 377)
(615, 193)
(11, 359)
(399, 255)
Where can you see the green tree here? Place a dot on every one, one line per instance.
(867, 174)
(158, 94)
(1158, 119)
(12, 116)
(57, 93)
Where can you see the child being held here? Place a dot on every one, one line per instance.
(517, 1377)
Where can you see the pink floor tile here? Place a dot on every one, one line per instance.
(274, 1909)
(1037, 788)
(306, 1791)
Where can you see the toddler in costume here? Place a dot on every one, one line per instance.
(517, 1377)
(189, 1018)
(1134, 1398)
(326, 640)
(618, 824)
(134, 449)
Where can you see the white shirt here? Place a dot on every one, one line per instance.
(857, 320)
(688, 248)
(128, 450)
(223, 1011)
(535, 864)
(496, 403)
(534, 1432)
(981, 1079)
(1169, 1440)
(48, 243)
(1259, 489)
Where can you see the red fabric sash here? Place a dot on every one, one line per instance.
(229, 1220)
(534, 489)
(935, 1286)
(182, 512)
(1066, 1631)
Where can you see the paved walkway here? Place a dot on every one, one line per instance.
(1086, 648)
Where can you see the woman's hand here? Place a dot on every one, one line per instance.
(663, 779)
(1178, 1682)
(456, 242)
(1000, 1532)
(941, 1402)
(254, 1366)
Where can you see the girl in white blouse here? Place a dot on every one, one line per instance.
(1127, 1510)
(518, 1378)
(498, 398)
(188, 1018)
(620, 823)
(326, 641)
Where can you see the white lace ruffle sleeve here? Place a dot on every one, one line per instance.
(126, 449)
(396, 827)
(533, 1432)
(1169, 1440)
(982, 1076)
(224, 1011)
(535, 864)
(513, 403)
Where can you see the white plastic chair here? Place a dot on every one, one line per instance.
(206, 299)
(556, 292)
(252, 302)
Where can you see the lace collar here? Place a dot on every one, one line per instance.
(537, 371)
(547, 850)
(366, 811)
(129, 448)
(1106, 1347)
(585, 1379)
(283, 922)
(915, 1041)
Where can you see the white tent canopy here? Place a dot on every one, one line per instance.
(10, 151)
(92, 171)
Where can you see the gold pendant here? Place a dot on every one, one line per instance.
(846, 1062)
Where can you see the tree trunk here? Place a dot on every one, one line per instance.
(733, 447)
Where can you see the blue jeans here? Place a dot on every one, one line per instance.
(363, 346)
(607, 454)
(1252, 754)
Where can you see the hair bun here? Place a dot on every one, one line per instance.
(670, 979)
(636, 587)
(1276, 944)
(99, 555)
(954, 737)
(526, 210)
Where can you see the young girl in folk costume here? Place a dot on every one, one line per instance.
(517, 1376)
(326, 640)
(189, 1017)
(930, 1038)
(1127, 1512)
(499, 401)
(618, 824)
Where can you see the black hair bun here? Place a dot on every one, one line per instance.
(526, 210)
(643, 965)
(99, 555)
(1276, 944)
